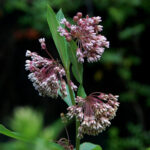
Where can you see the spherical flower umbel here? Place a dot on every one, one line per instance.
(94, 112)
(46, 75)
(91, 44)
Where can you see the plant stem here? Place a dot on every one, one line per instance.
(77, 139)
(73, 103)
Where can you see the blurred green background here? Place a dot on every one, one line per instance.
(123, 70)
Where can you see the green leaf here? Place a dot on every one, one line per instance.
(53, 131)
(81, 91)
(125, 73)
(67, 99)
(117, 14)
(77, 68)
(129, 32)
(42, 144)
(60, 16)
(59, 41)
(27, 122)
(90, 146)
(112, 56)
(12, 134)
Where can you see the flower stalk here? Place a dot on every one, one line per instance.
(77, 139)
(73, 103)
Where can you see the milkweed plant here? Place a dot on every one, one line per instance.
(77, 43)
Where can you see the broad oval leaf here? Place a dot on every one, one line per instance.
(89, 146)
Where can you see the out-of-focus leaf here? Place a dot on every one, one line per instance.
(16, 5)
(113, 132)
(125, 73)
(27, 122)
(90, 146)
(131, 60)
(148, 102)
(12, 134)
(77, 68)
(135, 130)
(15, 145)
(42, 144)
(131, 3)
(101, 5)
(112, 57)
(117, 15)
(141, 89)
(146, 5)
(60, 41)
(131, 31)
(128, 96)
(67, 5)
(53, 131)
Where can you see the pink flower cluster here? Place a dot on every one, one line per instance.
(94, 112)
(91, 44)
(46, 75)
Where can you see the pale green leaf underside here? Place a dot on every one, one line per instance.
(89, 146)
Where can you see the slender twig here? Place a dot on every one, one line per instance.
(48, 54)
(67, 133)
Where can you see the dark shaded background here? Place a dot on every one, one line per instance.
(123, 69)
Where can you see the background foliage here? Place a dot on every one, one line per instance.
(122, 70)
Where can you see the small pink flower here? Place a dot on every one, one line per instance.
(42, 42)
(73, 86)
(91, 44)
(94, 112)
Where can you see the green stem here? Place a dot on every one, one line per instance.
(73, 103)
(77, 139)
